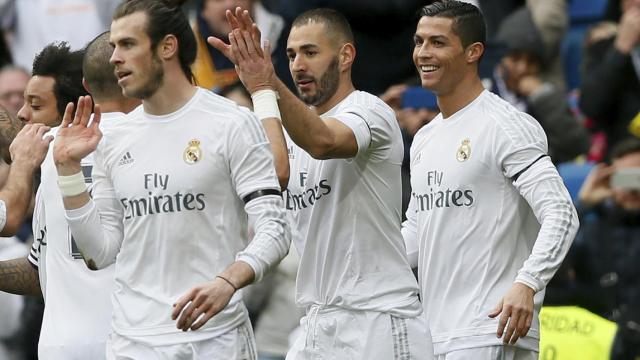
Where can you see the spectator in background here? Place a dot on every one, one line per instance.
(518, 80)
(414, 107)
(212, 70)
(610, 89)
(29, 25)
(604, 257)
(13, 82)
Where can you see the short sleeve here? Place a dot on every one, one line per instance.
(374, 126)
(249, 155)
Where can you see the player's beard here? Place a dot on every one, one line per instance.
(326, 86)
(155, 78)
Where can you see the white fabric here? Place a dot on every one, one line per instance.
(77, 310)
(475, 227)
(490, 353)
(361, 335)
(10, 304)
(348, 215)
(235, 344)
(169, 193)
(37, 23)
(3, 215)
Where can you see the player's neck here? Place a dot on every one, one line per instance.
(462, 95)
(121, 105)
(344, 89)
(174, 92)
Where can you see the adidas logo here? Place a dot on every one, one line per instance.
(126, 159)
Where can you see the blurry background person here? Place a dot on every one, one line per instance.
(13, 81)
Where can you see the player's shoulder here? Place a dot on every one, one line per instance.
(508, 119)
(366, 105)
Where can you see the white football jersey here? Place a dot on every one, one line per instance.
(175, 185)
(348, 214)
(474, 229)
(77, 310)
(3, 215)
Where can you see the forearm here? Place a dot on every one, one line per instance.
(544, 190)
(273, 130)
(301, 121)
(16, 195)
(19, 277)
(272, 237)
(98, 233)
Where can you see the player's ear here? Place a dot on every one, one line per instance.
(474, 52)
(168, 46)
(347, 56)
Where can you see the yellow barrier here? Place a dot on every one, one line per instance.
(573, 333)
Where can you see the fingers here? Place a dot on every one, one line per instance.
(510, 333)
(181, 303)
(67, 118)
(495, 312)
(222, 47)
(504, 319)
(203, 320)
(232, 20)
(235, 48)
(97, 117)
(188, 317)
(41, 130)
(253, 47)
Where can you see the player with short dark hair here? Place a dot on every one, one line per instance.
(345, 153)
(489, 221)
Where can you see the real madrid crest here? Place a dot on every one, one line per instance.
(464, 151)
(193, 153)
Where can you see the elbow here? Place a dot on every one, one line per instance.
(12, 225)
(283, 173)
(321, 151)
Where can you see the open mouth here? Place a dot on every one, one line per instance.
(428, 68)
(122, 75)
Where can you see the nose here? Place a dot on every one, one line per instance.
(24, 114)
(298, 65)
(115, 57)
(423, 51)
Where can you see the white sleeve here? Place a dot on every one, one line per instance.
(97, 227)
(543, 189)
(3, 215)
(252, 169)
(249, 156)
(39, 229)
(371, 126)
(410, 234)
(272, 237)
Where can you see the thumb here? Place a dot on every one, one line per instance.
(220, 46)
(495, 312)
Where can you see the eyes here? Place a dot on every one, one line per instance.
(306, 53)
(435, 42)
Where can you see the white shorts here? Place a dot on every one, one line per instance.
(490, 353)
(237, 344)
(366, 335)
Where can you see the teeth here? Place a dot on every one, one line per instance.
(428, 68)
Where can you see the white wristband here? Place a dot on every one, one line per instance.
(72, 185)
(265, 104)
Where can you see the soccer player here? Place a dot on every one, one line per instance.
(172, 190)
(354, 278)
(489, 220)
(24, 150)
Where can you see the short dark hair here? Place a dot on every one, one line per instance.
(625, 147)
(98, 71)
(468, 22)
(65, 67)
(165, 18)
(332, 20)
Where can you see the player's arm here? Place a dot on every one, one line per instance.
(253, 176)
(27, 150)
(537, 180)
(20, 277)
(96, 224)
(330, 137)
(410, 234)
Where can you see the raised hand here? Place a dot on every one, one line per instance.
(76, 138)
(595, 188)
(253, 63)
(29, 147)
(201, 303)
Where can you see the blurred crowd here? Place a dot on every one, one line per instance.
(572, 64)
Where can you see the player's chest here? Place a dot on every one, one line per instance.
(187, 163)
